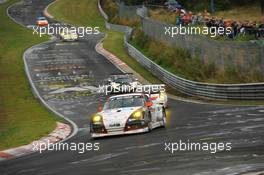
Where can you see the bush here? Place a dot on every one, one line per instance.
(163, 15)
(111, 9)
(125, 21)
(180, 62)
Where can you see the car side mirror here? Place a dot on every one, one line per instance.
(149, 104)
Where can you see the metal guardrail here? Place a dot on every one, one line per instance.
(251, 91)
(114, 27)
(102, 11)
(117, 28)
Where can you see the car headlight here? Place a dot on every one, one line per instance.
(137, 115)
(136, 120)
(97, 118)
(162, 96)
(97, 125)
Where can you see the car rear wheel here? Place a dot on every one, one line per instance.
(164, 121)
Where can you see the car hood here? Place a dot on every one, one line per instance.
(117, 117)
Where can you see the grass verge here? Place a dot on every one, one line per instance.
(22, 118)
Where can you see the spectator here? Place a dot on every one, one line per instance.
(239, 28)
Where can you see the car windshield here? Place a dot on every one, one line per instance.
(123, 80)
(124, 102)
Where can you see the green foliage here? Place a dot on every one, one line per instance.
(110, 8)
(176, 60)
(180, 62)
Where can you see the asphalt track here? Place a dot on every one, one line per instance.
(56, 64)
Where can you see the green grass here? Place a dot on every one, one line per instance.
(22, 118)
(78, 12)
(86, 13)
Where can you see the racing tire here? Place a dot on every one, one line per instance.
(166, 106)
(164, 121)
(149, 123)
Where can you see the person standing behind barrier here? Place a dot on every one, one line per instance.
(181, 21)
(200, 19)
(261, 30)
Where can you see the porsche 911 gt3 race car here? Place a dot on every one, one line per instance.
(122, 83)
(127, 114)
(42, 21)
(67, 35)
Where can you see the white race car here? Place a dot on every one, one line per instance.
(68, 35)
(127, 114)
(122, 83)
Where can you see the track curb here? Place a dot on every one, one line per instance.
(61, 132)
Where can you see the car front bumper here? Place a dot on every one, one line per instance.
(121, 132)
(70, 39)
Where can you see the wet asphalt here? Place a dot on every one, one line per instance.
(57, 65)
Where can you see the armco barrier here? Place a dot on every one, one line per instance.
(117, 28)
(114, 27)
(102, 11)
(252, 91)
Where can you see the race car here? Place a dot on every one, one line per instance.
(157, 94)
(68, 35)
(42, 21)
(122, 83)
(127, 114)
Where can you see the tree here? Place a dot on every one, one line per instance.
(212, 6)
